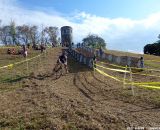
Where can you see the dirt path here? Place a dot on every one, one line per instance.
(79, 100)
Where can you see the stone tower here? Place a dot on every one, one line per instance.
(66, 36)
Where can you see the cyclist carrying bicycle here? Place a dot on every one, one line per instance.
(62, 60)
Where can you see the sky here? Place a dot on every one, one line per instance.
(126, 25)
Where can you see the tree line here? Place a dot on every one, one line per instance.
(28, 34)
(94, 41)
(153, 49)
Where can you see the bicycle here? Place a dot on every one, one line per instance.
(57, 71)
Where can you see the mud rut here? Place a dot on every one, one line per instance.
(79, 100)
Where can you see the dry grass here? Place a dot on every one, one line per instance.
(79, 100)
(151, 61)
(10, 79)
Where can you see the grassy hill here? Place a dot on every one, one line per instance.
(81, 100)
(151, 61)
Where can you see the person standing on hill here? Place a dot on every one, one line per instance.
(42, 48)
(141, 62)
(25, 53)
(94, 60)
(100, 52)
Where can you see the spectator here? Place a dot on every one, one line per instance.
(101, 51)
(141, 62)
(94, 60)
(9, 51)
(28, 45)
(42, 48)
(25, 53)
(13, 52)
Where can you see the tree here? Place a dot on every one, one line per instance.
(23, 34)
(44, 36)
(33, 35)
(5, 35)
(152, 49)
(94, 41)
(12, 32)
(8, 34)
(52, 33)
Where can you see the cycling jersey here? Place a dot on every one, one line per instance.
(63, 59)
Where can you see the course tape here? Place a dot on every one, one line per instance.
(10, 66)
(118, 70)
(105, 74)
(27, 60)
(146, 75)
(7, 66)
(124, 66)
(130, 67)
(151, 87)
(142, 84)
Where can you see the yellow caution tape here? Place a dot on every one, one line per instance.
(142, 84)
(105, 74)
(4, 67)
(130, 67)
(11, 65)
(151, 87)
(27, 60)
(113, 65)
(152, 70)
(146, 75)
(118, 70)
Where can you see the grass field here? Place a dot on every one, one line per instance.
(11, 78)
(151, 61)
(80, 100)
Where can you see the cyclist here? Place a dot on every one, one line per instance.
(62, 60)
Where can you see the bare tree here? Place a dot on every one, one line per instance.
(23, 33)
(52, 33)
(44, 35)
(5, 35)
(34, 36)
(12, 33)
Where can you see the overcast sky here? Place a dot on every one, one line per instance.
(125, 25)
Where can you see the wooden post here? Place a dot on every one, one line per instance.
(27, 66)
(45, 51)
(39, 63)
(12, 71)
(124, 78)
(103, 75)
(94, 67)
(131, 80)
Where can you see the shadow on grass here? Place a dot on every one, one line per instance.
(16, 79)
(54, 76)
(75, 67)
(76, 77)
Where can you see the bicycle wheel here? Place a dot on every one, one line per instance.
(57, 73)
